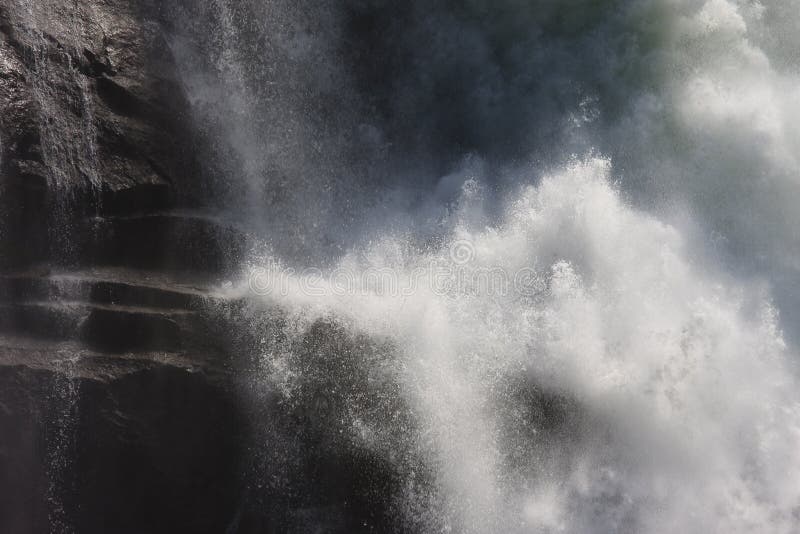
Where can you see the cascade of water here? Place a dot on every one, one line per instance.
(658, 365)
(643, 383)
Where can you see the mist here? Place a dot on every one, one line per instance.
(637, 158)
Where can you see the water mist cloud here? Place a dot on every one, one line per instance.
(372, 108)
(680, 405)
(648, 384)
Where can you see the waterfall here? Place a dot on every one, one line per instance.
(623, 177)
(432, 266)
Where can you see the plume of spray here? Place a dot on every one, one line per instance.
(681, 411)
(658, 315)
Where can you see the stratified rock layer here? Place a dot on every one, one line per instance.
(130, 399)
(118, 411)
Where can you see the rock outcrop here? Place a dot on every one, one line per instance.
(130, 399)
(118, 411)
(95, 134)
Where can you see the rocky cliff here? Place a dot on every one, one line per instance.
(117, 411)
(128, 395)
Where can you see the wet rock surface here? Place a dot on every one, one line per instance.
(129, 394)
(94, 127)
(118, 408)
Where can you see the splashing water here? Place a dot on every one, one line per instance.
(639, 380)
(679, 411)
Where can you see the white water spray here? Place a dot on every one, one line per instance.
(645, 384)
(684, 413)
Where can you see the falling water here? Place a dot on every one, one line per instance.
(626, 176)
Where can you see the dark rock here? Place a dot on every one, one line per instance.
(166, 241)
(130, 399)
(118, 411)
(105, 442)
(92, 121)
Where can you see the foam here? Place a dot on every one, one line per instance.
(686, 416)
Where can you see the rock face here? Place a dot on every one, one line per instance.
(94, 128)
(118, 410)
(126, 403)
